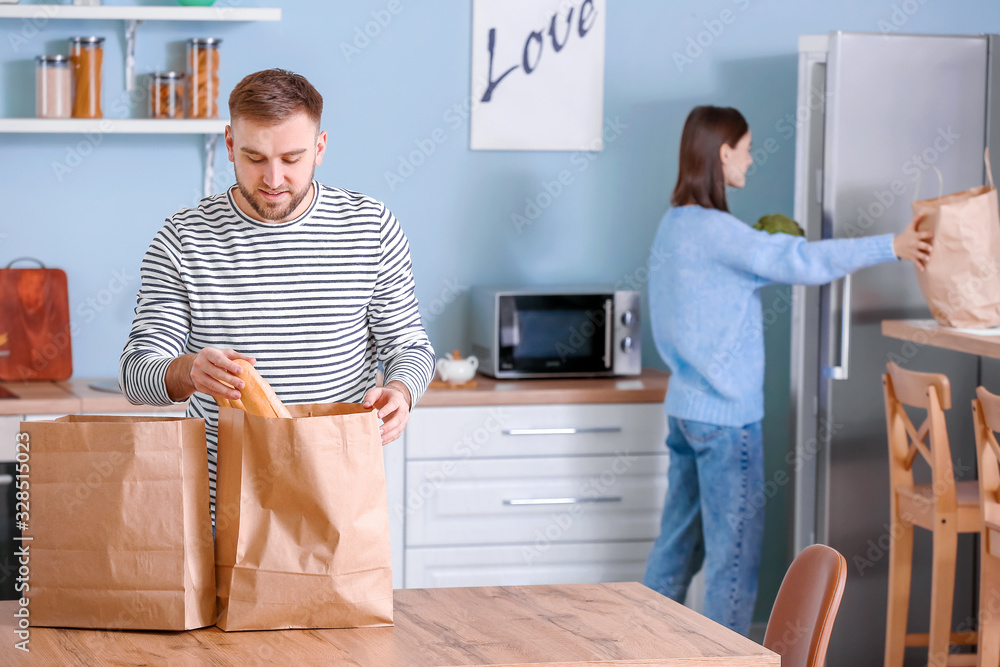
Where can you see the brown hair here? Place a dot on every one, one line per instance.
(273, 95)
(699, 177)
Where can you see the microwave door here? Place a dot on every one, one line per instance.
(546, 335)
(510, 328)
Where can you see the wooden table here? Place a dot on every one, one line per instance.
(583, 624)
(929, 332)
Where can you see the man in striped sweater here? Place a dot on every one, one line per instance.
(312, 284)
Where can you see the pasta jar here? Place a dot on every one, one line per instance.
(166, 95)
(86, 55)
(53, 87)
(203, 77)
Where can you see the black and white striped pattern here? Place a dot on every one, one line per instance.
(317, 301)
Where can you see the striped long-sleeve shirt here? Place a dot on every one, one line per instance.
(317, 301)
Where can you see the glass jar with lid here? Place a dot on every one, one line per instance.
(86, 55)
(203, 77)
(166, 95)
(53, 87)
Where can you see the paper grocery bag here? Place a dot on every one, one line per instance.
(120, 523)
(962, 280)
(302, 520)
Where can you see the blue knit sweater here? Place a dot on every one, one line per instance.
(706, 271)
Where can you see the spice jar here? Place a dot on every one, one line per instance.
(166, 95)
(203, 77)
(53, 87)
(86, 55)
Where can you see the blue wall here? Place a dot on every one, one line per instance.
(96, 220)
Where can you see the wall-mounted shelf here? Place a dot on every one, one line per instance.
(125, 13)
(113, 126)
(133, 16)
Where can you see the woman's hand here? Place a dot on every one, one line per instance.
(914, 245)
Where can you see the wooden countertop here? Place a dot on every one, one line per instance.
(589, 625)
(929, 332)
(73, 396)
(650, 387)
(76, 396)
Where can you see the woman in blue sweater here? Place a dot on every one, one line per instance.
(708, 327)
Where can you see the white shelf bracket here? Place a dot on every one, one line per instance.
(211, 141)
(131, 28)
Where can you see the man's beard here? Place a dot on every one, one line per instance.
(267, 210)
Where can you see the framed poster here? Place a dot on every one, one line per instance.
(537, 75)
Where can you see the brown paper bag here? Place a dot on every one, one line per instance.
(302, 520)
(120, 523)
(962, 280)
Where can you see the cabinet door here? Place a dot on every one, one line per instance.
(535, 500)
(535, 430)
(520, 565)
(395, 466)
(10, 426)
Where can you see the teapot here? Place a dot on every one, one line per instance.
(455, 370)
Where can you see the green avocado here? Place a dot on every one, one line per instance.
(776, 222)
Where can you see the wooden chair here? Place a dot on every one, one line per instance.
(944, 507)
(986, 416)
(804, 611)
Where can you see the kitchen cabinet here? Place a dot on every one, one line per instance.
(505, 495)
(10, 426)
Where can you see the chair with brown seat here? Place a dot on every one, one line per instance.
(986, 416)
(944, 507)
(804, 611)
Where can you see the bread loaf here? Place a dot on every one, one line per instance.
(256, 397)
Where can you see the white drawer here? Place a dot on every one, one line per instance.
(535, 430)
(535, 500)
(519, 566)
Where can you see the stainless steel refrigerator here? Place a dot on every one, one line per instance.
(876, 114)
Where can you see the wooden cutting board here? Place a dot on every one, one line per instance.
(34, 325)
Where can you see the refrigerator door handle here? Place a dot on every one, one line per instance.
(839, 372)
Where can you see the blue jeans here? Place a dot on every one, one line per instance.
(714, 515)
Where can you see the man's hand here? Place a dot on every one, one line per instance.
(206, 372)
(913, 245)
(393, 404)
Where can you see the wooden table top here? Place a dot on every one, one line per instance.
(582, 624)
(929, 332)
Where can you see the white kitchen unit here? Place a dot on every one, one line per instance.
(532, 494)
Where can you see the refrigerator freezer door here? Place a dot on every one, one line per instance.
(896, 106)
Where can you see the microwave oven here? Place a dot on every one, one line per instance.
(556, 332)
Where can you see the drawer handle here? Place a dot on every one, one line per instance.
(562, 501)
(561, 431)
